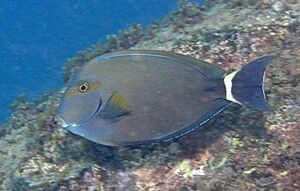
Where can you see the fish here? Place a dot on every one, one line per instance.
(141, 96)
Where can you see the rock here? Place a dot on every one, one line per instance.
(279, 6)
(241, 149)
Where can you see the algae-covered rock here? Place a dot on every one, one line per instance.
(241, 149)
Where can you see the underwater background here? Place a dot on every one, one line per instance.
(36, 38)
(44, 44)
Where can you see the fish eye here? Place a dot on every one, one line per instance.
(83, 87)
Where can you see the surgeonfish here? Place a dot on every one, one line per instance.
(140, 96)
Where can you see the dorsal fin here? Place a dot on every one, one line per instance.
(116, 106)
(210, 70)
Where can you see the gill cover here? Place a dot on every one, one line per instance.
(80, 103)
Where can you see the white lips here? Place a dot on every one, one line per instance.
(63, 123)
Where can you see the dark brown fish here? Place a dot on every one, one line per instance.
(139, 96)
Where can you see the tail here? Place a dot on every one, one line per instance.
(245, 86)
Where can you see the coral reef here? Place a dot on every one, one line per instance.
(126, 39)
(241, 149)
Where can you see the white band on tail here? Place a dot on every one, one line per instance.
(228, 85)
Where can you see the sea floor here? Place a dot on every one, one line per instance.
(241, 149)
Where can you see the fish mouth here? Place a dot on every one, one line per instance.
(63, 122)
(65, 125)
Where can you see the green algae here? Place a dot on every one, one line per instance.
(284, 173)
(285, 144)
(185, 168)
(216, 164)
(235, 143)
(250, 170)
(36, 154)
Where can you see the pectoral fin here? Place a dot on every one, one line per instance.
(115, 107)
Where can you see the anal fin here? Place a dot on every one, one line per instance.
(213, 107)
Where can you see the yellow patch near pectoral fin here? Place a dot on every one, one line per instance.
(116, 106)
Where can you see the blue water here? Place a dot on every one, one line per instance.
(36, 38)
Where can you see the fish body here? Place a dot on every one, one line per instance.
(131, 97)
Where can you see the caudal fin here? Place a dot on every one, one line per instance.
(245, 86)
